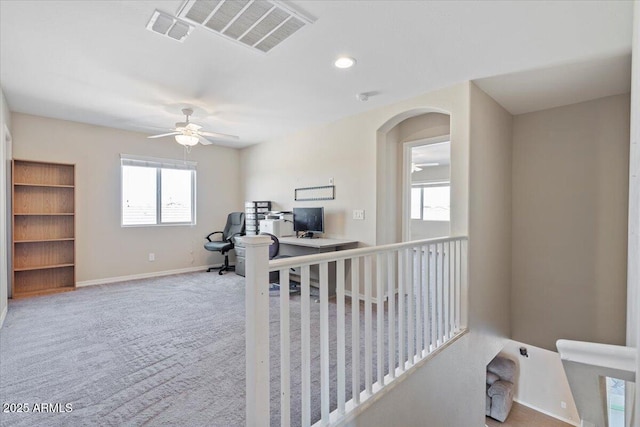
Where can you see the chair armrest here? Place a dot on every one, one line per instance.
(211, 234)
(500, 388)
(230, 239)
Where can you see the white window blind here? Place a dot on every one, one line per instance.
(157, 191)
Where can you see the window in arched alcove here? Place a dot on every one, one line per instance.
(427, 184)
(394, 187)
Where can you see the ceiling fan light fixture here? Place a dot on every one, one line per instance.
(187, 140)
(344, 62)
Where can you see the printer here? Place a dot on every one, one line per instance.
(280, 224)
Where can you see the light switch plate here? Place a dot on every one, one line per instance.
(358, 214)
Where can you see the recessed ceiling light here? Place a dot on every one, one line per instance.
(344, 62)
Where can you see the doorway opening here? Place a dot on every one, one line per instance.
(427, 188)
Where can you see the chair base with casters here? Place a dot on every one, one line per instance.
(224, 250)
(233, 228)
(274, 276)
(224, 267)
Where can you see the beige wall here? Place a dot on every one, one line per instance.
(570, 184)
(344, 151)
(490, 215)
(541, 382)
(354, 152)
(104, 248)
(5, 204)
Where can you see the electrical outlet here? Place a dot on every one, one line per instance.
(358, 214)
(563, 404)
(152, 256)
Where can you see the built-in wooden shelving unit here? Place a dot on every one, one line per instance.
(43, 228)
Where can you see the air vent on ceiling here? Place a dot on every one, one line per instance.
(260, 24)
(167, 25)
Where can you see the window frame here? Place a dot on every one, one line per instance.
(158, 164)
(422, 186)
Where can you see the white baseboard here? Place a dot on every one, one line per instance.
(556, 416)
(139, 276)
(3, 315)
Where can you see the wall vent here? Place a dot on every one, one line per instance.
(167, 25)
(259, 24)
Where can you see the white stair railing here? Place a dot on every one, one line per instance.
(588, 365)
(335, 353)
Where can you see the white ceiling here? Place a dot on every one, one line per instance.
(94, 61)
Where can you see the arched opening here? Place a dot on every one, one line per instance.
(396, 141)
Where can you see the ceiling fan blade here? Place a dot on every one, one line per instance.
(204, 141)
(164, 134)
(218, 135)
(193, 126)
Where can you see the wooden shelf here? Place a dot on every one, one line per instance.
(43, 292)
(43, 214)
(43, 267)
(67, 239)
(24, 184)
(43, 196)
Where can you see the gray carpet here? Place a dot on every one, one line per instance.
(158, 352)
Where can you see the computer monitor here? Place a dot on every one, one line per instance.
(308, 220)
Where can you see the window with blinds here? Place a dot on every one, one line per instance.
(157, 191)
(431, 201)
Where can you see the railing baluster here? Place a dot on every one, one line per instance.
(401, 300)
(305, 307)
(410, 319)
(391, 316)
(458, 281)
(425, 298)
(380, 314)
(368, 335)
(452, 288)
(436, 298)
(324, 342)
(340, 318)
(441, 295)
(418, 287)
(446, 278)
(464, 284)
(355, 330)
(285, 350)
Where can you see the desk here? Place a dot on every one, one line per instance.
(293, 246)
(305, 246)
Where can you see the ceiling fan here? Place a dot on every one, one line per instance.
(189, 134)
(418, 167)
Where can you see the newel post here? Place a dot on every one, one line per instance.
(257, 329)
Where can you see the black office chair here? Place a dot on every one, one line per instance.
(234, 228)
(274, 276)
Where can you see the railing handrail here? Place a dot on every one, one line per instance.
(586, 364)
(299, 261)
(596, 354)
